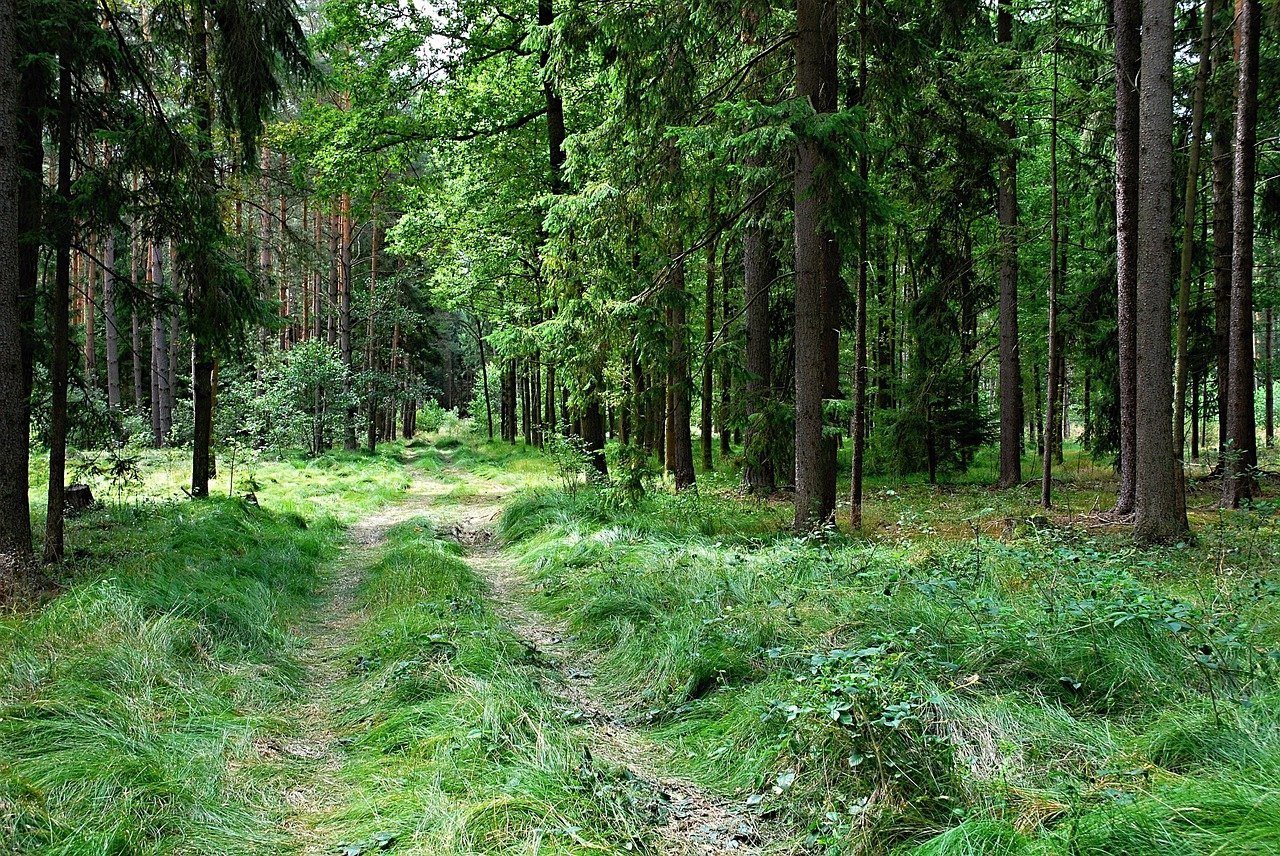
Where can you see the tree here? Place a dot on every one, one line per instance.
(1158, 514)
(1128, 20)
(1011, 415)
(1242, 431)
(15, 513)
(816, 301)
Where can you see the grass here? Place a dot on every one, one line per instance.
(450, 743)
(934, 688)
(129, 703)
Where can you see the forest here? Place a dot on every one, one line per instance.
(570, 427)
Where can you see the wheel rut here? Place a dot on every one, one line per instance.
(695, 822)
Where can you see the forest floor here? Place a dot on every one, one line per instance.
(447, 649)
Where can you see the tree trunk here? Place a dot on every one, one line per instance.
(344, 320)
(1051, 369)
(15, 429)
(759, 270)
(1010, 356)
(203, 369)
(60, 358)
(816, 31)
(1188, 241)
(1128, 20)
(1268, 381)
(109, 319)
(1158, 517)
(160, 414)
(1223, 218)
(860, 324)
(679, 420)
(708, 337)
(1242, 437)
(726, 371)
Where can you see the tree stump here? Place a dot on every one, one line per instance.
(77, 498)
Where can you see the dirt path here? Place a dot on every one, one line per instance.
(465, 508)
(696, 822)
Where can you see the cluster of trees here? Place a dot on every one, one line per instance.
(913, 227)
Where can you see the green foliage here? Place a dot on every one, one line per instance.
(298, 401)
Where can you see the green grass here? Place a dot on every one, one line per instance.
(452, 745)
(932, 689)
(130, 702)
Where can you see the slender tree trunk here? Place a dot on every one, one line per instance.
(726, 371)
(708, 337)
(759, 271)
(1010, 353)
(1242, 436)
(109, 319)
(484, 378)
(60, 300)
(1268, 381)
(1195, 418)
(1188, 242)
(816, 30)
(1158, 517)
(160, 379)
(1128, 20)
(90, 315)
(135, 332)
(1051, 368)
(1223, 217)
(203, 362)
(344, 321)
(679, 426)
(860, 324)
(15, 429)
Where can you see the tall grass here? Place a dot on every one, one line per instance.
(1054, 692)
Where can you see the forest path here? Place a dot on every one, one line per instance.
(311, 758)
(307, 764)
(696, 822)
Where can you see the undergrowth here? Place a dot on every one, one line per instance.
(1051, 691)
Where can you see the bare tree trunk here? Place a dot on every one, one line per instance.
(344, 321)
(1242, 436)
(759, 270)
(1268, 380)
(1128, 20)
(1223, 218)
(726, 372)
(679, 427)
(860, 324)
(160, 416)
(1051, 369)
(1188, 241)
(15, 429)
(816, 30)
(60, 360)
(1010, 353)
(109, 319)
(708, 337)
(1159, 517)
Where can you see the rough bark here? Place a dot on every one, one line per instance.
(1242, 438)
(109, 320)
(1128, 58)
(344, 319)
(708, 338)
(1223, 218)
(815, 84)
(1007, 217)
(1158, 517)
(860, 324)
(15, 512)
(680, 435)
(1052, 375)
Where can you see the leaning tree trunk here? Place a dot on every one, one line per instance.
(1158, 515)
(1242, 437)
(1128, 19)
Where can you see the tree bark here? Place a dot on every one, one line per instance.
(1158, 515)
(759, 271)
(1242, 437)
(1223, 218)
(1051, 369)
(344, 320)
(109, 319)
(15, 430)
(860, 324)
(1010, 353)
(160, 416)
(679, 426)
(816, 32)
(1128, 19)
(60, 359)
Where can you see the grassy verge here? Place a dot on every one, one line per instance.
(129, 703)
(449, 743)
(1050, 692)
